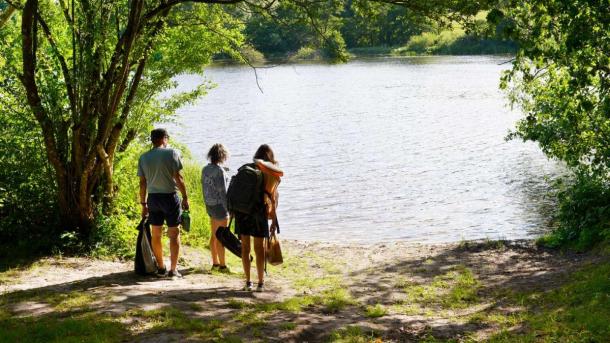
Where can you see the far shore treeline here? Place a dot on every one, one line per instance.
(79, 86)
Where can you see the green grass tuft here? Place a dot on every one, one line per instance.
(375, 311)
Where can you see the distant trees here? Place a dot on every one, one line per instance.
(85, 75)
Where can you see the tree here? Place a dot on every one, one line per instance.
(561, 79)
(91, 71)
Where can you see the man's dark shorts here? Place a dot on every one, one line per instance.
(164, 207)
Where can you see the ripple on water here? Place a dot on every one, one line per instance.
(377, 150)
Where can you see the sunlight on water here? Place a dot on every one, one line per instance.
(385, 149)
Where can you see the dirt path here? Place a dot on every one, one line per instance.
(393, 292)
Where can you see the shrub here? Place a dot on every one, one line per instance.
(583, 214)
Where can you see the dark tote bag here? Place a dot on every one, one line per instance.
(229, 240)
(144, 263)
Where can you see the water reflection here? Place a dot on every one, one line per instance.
(381, 149)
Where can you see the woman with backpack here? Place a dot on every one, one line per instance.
(256, 225)
(214, 181)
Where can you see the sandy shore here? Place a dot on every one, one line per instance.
(400, 292)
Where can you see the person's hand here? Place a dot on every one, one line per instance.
(274, 226)
(144, 210)
(185, 204)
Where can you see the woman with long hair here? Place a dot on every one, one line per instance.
(257, 225)
(214, 181)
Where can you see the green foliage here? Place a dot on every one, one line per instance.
(115, 233)
(560, 79)
(368, 24)
(28, 220)
(583, 213)
(454, 41)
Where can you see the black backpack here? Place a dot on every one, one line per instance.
(245, 193)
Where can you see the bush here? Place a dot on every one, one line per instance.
(28, 207)
(583, 214)
(115, 234)
(307, 53)
(453, 42)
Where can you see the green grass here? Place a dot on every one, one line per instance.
(455, 289)
(578, 311)
(353, 334)
(288, 326)
(171, 319)
(87, 327)
(375, 311)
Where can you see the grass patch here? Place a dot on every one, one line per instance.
(288, 326)
(88, 327)
(375, 311)
(576, 312)
(334, 300)
(353, 334)
(170, 318)
(62, 302)
(455, 289)
(69, 301)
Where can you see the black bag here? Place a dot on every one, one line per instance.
(145, 262)
(245, 193)
(229, 240)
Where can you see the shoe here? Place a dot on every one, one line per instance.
(224, 269)
(215, 266)
(248, 287)
(174, 274)
(162, 272)
(260, 287)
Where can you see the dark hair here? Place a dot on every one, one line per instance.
(218, 153)
(265, 153)
(157, 135)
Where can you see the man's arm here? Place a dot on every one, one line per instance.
(182, 188)
(143, 196)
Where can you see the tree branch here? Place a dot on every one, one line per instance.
(7, 14)
(168, 5)
(62, 62)
(28, 79)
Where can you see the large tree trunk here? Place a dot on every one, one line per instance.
(76, 216)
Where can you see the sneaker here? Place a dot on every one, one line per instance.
(215, 266)
(260, 287)
(174, 274)
(248, 286)
(162, 272)
(224, 269)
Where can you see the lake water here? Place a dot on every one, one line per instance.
(378, 150)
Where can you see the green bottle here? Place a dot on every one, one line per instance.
(186, 220)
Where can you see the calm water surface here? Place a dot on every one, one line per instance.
(376, 150)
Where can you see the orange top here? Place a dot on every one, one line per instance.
(272, 179)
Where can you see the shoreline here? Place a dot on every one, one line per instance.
(397, 292)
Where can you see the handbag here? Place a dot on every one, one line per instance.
(274, 251)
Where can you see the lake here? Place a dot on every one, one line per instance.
(383, 149)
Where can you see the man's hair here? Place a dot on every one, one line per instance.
(218, 153)
(157, 135)
(265, 153)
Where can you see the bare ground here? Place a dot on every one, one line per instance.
(412, 286)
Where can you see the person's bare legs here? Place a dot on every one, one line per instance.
(220, 249)
(174, 246)
(157, 246)
(259, 250)
(245, 255)
(213, 245)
